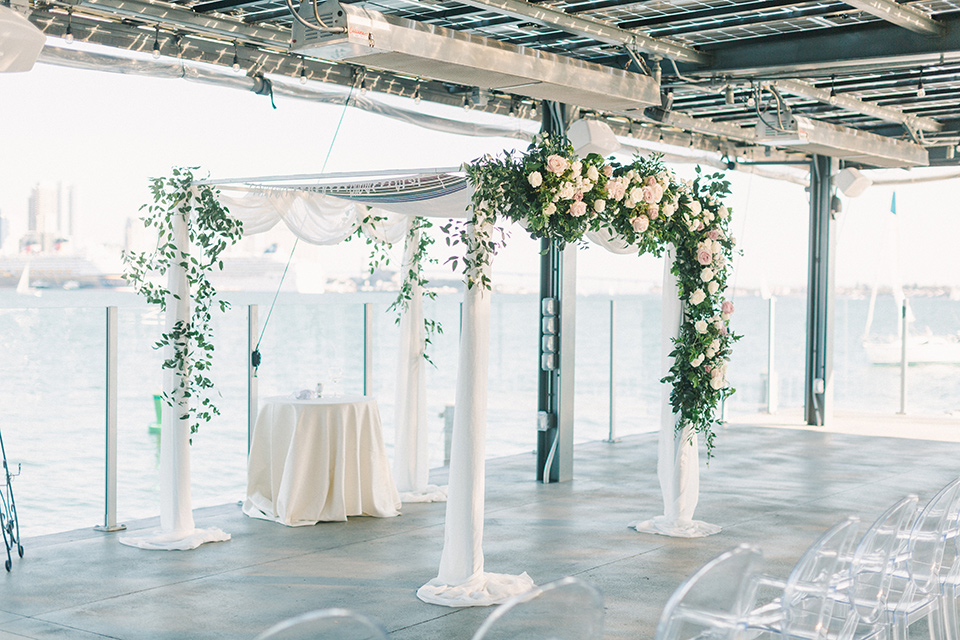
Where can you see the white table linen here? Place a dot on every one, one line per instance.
(319, 460)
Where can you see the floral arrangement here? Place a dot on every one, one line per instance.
(555, 195)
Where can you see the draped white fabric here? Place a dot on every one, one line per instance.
(411, 463)
(177, 529)
(462, 581)
(678, 461)
(313, 217)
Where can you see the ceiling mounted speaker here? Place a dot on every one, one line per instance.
(851, 182)
(20, 42)
(592, 136)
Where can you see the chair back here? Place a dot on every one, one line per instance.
(326, 624)
(936, 523)
(809, 600)
(714, 602)
(568, 609)
(875, 556)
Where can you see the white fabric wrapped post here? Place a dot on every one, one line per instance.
(678, 464)
(461, 581)
(411, 462)
(177, 529)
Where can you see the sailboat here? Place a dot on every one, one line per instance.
(921, 348)
(23, 286)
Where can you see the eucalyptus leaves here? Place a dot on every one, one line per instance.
(558, 196)
(193, 230)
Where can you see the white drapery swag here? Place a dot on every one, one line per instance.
(461, 581)
(411, 463)
(177, 529)
(678, 464)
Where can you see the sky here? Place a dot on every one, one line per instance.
(107, 134)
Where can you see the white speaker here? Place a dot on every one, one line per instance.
(851, 182)
(592, 136)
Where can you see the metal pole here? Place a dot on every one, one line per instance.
(772, 399)
(612, 436)
(367, 348)
(903, 358)
(110, 489)
(253, 398)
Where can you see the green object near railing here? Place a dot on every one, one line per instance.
(154, 427)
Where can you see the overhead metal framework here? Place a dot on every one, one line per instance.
(723, 67)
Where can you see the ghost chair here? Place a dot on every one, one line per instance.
(568, 609)
(326, 624)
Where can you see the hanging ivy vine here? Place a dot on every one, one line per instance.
(210, 230)
(555, 195)
(413, 277)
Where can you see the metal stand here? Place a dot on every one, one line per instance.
(8, 510)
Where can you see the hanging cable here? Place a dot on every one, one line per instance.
(255, 357)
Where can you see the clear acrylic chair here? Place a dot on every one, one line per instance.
(875, 558)
(807, 603)
(715, 601)
(915, 587)
(326, 624)
(568, 609)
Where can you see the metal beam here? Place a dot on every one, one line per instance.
(591, 28)
(172, 15)
(899, 14)
(890, 114)
(872, 46)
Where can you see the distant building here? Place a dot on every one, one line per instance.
(50, 218)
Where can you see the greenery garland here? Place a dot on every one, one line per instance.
(556, 195)
(210, 230)
(413, 277)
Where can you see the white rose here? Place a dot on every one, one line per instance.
(706, 275)
(550, 209)
(566, 191)
(700, 326)
(707, 217)
(636, 194)
(630, 203)
(695, 207)
(723, 213)
(717, 383)
(724, 316)
(718, 324)
(696, 362)
(711, 352)
(535, 179)
(592, 173)
(599, 205)
(713, 287)
(667, 209)
(698, 297)
(575, 169)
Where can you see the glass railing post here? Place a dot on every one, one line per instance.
(110, 490)
(612, 436)
(772, 400)
(903, 358)
(368, 348)
(253, 330)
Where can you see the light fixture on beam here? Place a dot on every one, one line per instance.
(408, 47)
(849, 103)
(921, 91)
(156, 43)
(68, 36)
(303, 71)
(816, 137)
(236, 58)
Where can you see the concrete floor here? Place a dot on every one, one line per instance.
(776, 488)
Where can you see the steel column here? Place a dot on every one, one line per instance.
(818, 378)
(558, 282)
(253, 400)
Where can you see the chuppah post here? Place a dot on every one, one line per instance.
(461, 580)
(678, 459)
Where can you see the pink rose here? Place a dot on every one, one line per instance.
(578, 208)
(616, 190)
(704, 257)
(653, 210)
(713, 234)
(707, 368)
(649, 195)
(640, 223)
(578, 196)
(608, 170)
(650, 181)
(699, 226)
(723, 330)
(556, 164)
(727, 307)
